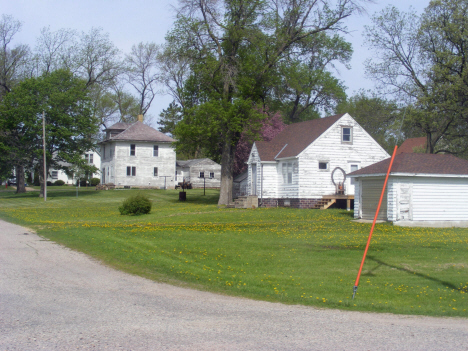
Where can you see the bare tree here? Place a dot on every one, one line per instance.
(142, 73)
(12, 59)
(54, 50)
(96, 59)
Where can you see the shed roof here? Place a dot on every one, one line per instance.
(193, 162)
(139, 131)
(294, 138)
(409, 145)
(412, 163)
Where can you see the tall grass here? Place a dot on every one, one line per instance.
(307, 257)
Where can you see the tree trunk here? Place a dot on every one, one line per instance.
(20, 187)
(227, 167)
(429, 146)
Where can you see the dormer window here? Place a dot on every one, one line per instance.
(347, 135)
(132, 150)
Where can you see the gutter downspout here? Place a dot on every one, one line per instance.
(261, 185)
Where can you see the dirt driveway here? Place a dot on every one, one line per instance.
(52, 298)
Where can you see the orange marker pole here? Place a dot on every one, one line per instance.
(373, 223)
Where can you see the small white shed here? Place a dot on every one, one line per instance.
(201, 172)
(422, 189)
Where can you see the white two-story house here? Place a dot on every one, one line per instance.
(137, 155)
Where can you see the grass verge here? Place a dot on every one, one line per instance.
(307, 257)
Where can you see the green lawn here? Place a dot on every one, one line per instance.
(307, 257)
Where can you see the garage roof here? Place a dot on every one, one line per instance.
(412, 163)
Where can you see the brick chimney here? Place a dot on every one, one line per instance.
(140, 118)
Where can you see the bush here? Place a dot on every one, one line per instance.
(49, 183)
(82, 183)
(94, 181)
(135, 205)
(59, 182)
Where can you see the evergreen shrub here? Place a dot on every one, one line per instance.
(94, 181)
(59, 182)
(135, 205)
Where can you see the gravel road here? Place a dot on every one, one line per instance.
(52, 298)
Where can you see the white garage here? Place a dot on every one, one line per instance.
(422, 189)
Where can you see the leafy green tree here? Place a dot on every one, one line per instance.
(70, 124)
(383, 119)
(307, 87)
(234, 50)
(169, 118)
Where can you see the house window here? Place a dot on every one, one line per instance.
(155, 171)
(323, 166)
(352, 169)
(347, 135)
(155, 150)
(132, 150)
(287, 172)
(54, 174)
(131, 171)
(89, 158)
(202, 175)
(211, 174)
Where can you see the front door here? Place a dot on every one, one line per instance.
(254, 180)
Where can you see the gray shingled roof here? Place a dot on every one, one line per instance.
(190, 163)
(139, 131)
(294, 138)
(412, 163)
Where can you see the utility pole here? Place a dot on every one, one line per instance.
(44, 149)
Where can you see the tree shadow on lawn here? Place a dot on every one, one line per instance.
(56, 193)
(192, 198)
(409, 271)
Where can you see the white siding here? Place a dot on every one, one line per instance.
(440, 199)
(269, 183)
(144, 161)
(357, 199)
(364, 151)
(207, 166)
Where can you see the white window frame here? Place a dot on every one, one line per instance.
(350, 141)
(54, 175)
(155, 172)
(327, 164)
(201, 175)
(287, 172)
(133, 150)
(131, 171)
(155, 150)
(212, 175)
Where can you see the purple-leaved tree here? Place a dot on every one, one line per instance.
(271, 126)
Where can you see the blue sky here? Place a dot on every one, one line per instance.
(131, 22)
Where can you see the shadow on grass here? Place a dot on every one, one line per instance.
(56, 193)
(409, 271)
(195, 197)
